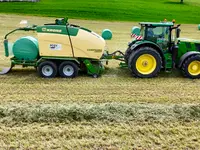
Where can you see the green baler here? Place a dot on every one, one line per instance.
(60, 49)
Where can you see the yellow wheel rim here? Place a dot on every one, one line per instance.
(146, 64)
(194, 68)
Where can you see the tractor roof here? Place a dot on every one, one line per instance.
(155, 24)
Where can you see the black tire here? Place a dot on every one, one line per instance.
(47, 69)
(127, 54)
(129, 50)
(186, 66)
(151, 53)
(68, 69)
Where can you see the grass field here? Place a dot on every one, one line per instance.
(126, 10)
(115, 111)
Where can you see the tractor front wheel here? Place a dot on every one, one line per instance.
(68, 69)
(191, 67)
(47, 69)
(146, 62)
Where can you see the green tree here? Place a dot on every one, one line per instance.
(181, 1)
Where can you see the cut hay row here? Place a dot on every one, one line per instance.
(114, 112)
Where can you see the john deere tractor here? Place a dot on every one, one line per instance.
(159, 50)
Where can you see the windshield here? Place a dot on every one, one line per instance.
(159, 35)
(159, 32)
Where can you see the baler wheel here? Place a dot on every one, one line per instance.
(146, 62)
(68, 69)
(47, 69)
(95, 75)
(191, 67)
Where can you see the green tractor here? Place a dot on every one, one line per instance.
(161, 48)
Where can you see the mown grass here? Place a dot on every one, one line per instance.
(118, 86)
(115, 111)
(126, 10)
(106, 112)
(98, 135)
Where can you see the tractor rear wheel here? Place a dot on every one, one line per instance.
(127, 54)
(47, 69)
(146, 62)
(191, 67)
(68, 69)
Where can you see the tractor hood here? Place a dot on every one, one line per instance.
(188, 40)
(186, 44)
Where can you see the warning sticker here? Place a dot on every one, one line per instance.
(55, 46)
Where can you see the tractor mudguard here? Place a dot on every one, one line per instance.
(139, 44)
(148, 43)
(185, 56)
(132, 42)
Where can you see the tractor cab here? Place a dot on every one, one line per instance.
(165, 35)
(158, 33)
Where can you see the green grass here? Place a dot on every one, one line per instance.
(126, 10)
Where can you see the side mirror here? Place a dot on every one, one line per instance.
(178, 31)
